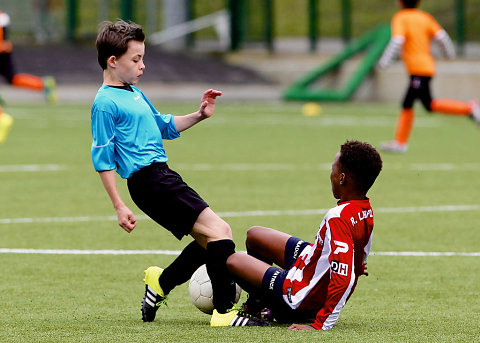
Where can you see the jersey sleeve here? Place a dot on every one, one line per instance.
(167, 127)
(342, 273)
(165, 122)
(103, 140)
(391, 51)
(443, 40)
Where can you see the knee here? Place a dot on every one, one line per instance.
(231, 262)
(225, 230)
(252, 236)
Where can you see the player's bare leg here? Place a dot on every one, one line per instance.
(267, 245)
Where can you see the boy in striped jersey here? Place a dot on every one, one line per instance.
(412, 32)
(314, 281)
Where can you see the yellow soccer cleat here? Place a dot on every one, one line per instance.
(235, 318)
(6, 122)
(154, 295)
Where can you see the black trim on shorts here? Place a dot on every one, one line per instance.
(272, 282)
(293, 249)
(272, 290)
(162, 194)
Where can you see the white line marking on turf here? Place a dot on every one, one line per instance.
(331, 120)
(260, 167)
(89, 252)
(30, 168)
(444, 166)
(239, 167)
(177, 252)
(252, 166)
(423, 253)
(268, 213)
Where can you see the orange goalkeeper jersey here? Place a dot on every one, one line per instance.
(417, 29)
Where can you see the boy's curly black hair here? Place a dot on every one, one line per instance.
(362, 161)
(113, 38)
(410, 3)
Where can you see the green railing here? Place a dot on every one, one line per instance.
(268, 22)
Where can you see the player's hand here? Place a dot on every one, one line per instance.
(126, 218)
(208, 102)
(300, 327)
(364, 269)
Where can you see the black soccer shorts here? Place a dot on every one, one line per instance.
(162, 194)
(418, 88)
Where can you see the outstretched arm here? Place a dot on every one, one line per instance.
(126, 218)
(205, 111)
(391, 51)
(445, 43)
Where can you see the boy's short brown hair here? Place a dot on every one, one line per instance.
(113, 38)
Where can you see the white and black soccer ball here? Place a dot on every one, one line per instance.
(200, 290)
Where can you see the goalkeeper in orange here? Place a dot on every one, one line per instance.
(412, 32)
(7, 70)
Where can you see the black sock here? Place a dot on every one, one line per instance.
(182, 268)
(222, 282)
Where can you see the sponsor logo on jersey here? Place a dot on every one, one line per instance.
(339, 268)
(342, 247)
(137, 98)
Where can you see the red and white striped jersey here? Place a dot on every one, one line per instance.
(325, 274)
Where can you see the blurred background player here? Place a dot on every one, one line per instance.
(7, 69)
(6, 122)
(412, 32)
(314, 281)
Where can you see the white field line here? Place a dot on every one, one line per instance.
(30, 168)
(89, 252)
(424, 253)
(320, 166)
(177, 252)
(267, 213)
(240, 167)
(330, 120)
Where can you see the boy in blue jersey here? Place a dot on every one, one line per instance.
(127, 134)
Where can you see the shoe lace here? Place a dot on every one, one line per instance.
(241, 312)
(163, 301)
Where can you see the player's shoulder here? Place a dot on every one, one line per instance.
(104, 99)
(336, 212)
(348, 208)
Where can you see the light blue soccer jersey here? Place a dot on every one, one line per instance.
(127, 131)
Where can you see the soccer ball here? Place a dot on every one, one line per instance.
(200, 290)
